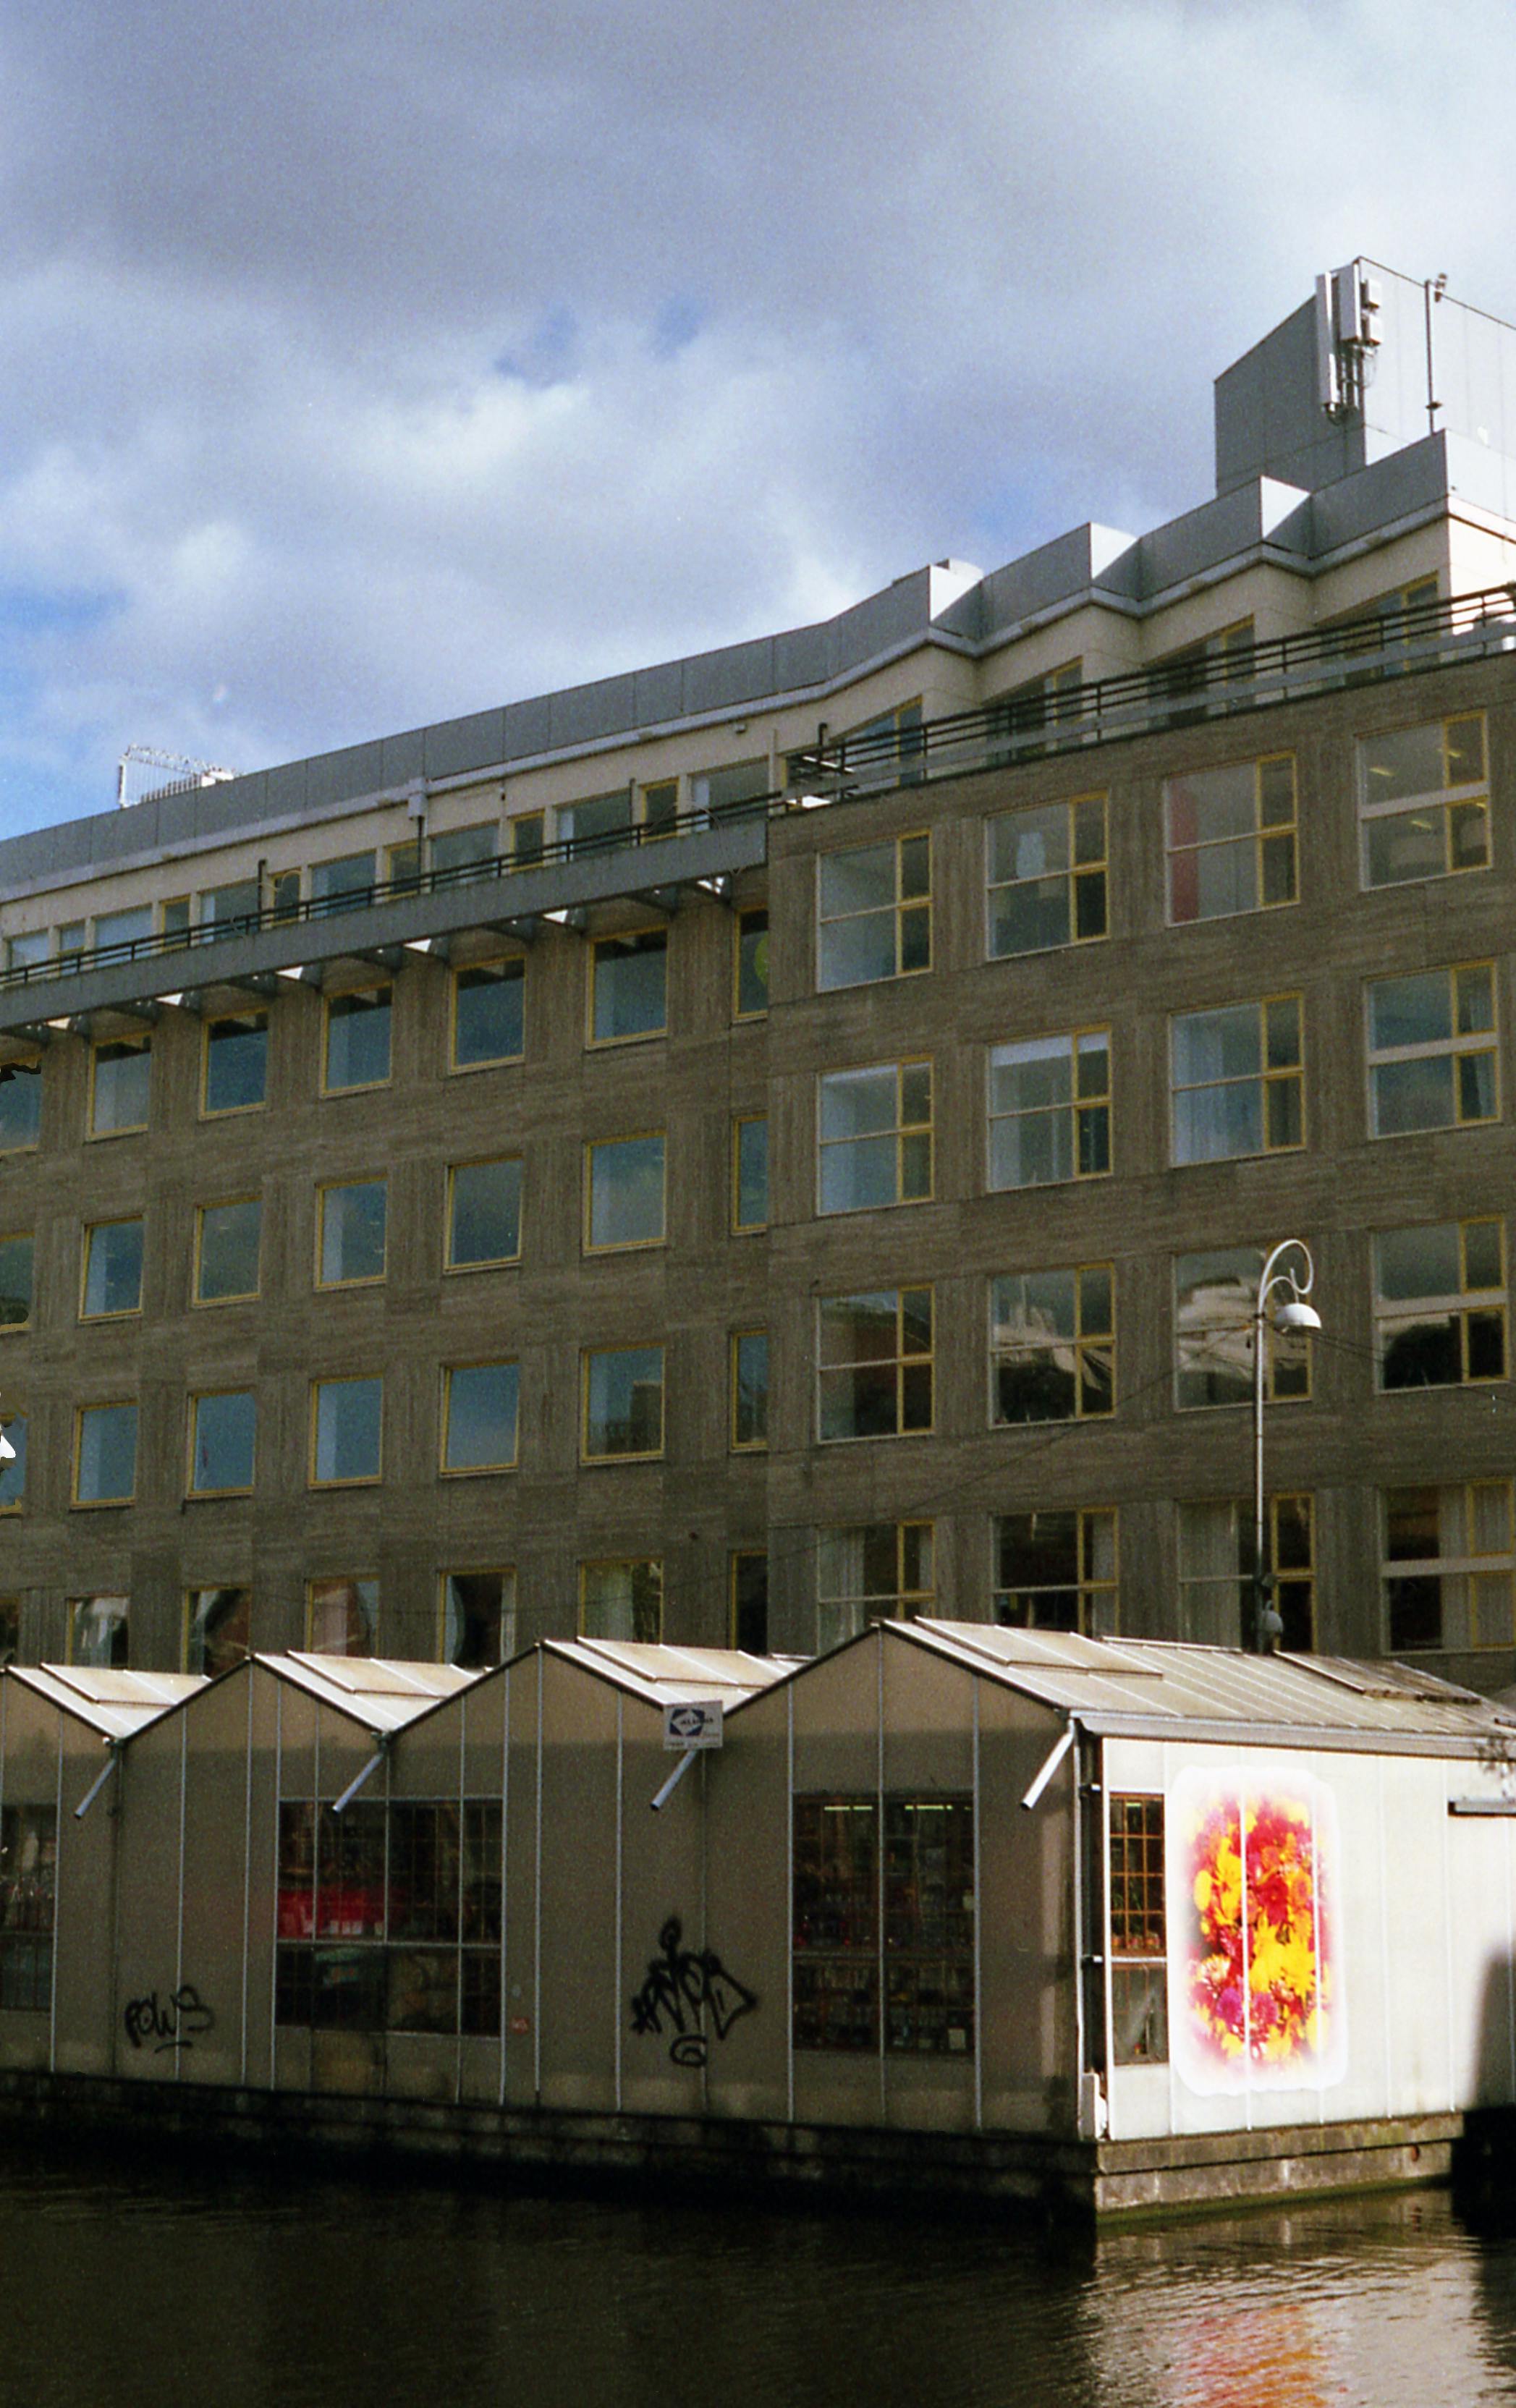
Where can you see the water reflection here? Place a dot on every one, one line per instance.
(167, 2287)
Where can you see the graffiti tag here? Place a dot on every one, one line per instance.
(169, 2022)
(679, 1988)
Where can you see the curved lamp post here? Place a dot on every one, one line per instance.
(1291, 1312)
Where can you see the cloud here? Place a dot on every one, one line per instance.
(381, 364)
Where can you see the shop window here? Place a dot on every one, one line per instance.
(484, 1213)
(874, 1137)
(622, 1403)
(1215, 1297)
(875, 1376)
(1139, 1933)
(1057, 1571)
(343, 885)
(1231, 836)
(751, 963)
(459, 851)
(347, 1420)
(1238, 1080)
(342, 1617)
(1052, 1346)
(223, 1434)
(750, 1602)
(488, 1019)
(479, 1411)
(1423, 801)
(1449, 1566)
(20, 1105)
(1434, 1059)
(750, 1172)
(624, 1192)
(16, 1253)
(13, 1470)
(226, 1251)
(871, 1571)
(874, 912)
(478, 1618)
(919, 1962)
(623, 1600)
(1046, 877)
(28, 1892)
(749, 1388)
(217, 1629)
(1440, 1304)
(629, 986)
(236, 1072)
(120, 1069)
(105, 1455)
(357, 1049)
(97, 1628)
(1050, 1110)
(111, 1281)
(1217, 1542)
(350, 1218)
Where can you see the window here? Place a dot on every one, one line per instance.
(874, 1137)
(20, 1104)
(750, 1602)
(347, 1419)
(97, 1631)
(284, 894)
(623, 1600)
(1050, 1110)
(218, 1628)
(728, 789)
(1449, 1566)
(119, 1071)
(357, 1040)
(11, 1629)
(28, 951)
(750, 1172)
(174, 919)
(874, 912)
(624, 1192)
(750, 964)
(71, 937)
(876, 1363)
(1018, 719)
(28, 1887)
(595, 822)
(105, 1455)
(1046, 877)
(223, 1431)
(484, 1213)
(1434, 1059)
(628, 986)
(623, 1402)
(1423, 801)
(13, 1471)
(1238, 1080)
(478, 1618)
(1231, 837)
(1057, 1571)
(223, 906)
(1440, 1304)
(888, 749)
(480, 1405)
(920, 1962)
(350, 1217)
(488, 1013)
(750, 1387)
(868, 1572)
(389, 1917)
(1139, 1933)
(1217, 1552)
(658, 807)
(341, 884)
(526, 834)
(112, 1270)
(342, 1617)
(457, 851)
(226, 1250)
(236, 1063)
(403, 867)
(1215, 1297)
(118, 932)
(16, 1280)
(1052, 1346)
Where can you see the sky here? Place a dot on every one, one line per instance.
(362, 365)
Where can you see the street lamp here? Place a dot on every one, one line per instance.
(1294, 1312)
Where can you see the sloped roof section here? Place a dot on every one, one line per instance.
(671, 1676)
(115, 1704)
(378, 1691)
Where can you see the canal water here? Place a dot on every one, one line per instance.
(197, 2288)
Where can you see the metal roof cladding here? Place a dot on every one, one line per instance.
(116, 1704)
(375, 1690)
(668, 1676)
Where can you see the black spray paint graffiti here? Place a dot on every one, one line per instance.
(680, 1985)
(171, 2024)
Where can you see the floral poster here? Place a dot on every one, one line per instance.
(1255, 1971)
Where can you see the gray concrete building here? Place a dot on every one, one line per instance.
(790, 1136)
